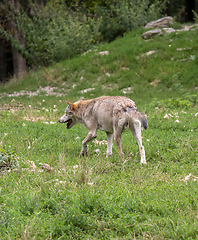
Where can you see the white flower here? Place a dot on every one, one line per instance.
(87, 90)
(75, 166)
(90, 184)
(187, 177)
(97, 151)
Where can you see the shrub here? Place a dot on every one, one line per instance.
(123, 16)
(8, 160)
(70, 37)
(195, 16)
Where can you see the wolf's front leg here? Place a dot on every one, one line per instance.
(91, 135)
(109, 144)
(84, 150)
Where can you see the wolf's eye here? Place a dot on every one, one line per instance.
(66, 112)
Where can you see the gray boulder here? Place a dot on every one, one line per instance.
(150, 33)
(164, 22)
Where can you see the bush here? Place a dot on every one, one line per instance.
(123, 16)
(8, 160)
(195, 16)
(70, 37)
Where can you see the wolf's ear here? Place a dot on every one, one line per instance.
(71, 105)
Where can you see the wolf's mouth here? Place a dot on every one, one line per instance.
(68, 123)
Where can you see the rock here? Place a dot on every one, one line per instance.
(155, 83)
(147, 54)
(104, 53)
(150, 33)
(46, 167)
(169, 30)
(162, 22)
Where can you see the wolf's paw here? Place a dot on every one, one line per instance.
(83, 153)
(143, 162)
(122, 155)
(108, 154)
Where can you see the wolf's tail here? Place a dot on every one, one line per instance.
(140, 116)
(143, 120)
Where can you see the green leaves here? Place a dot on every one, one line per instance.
(8, 160)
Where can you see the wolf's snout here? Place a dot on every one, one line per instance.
(60, 120)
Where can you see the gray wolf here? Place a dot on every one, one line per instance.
(112, 114)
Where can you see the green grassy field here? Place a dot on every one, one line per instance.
(94, 197)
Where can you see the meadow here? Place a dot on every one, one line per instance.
(95, 197)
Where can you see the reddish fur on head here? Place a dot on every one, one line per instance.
(72, 105)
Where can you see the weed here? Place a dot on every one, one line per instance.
(8, 160)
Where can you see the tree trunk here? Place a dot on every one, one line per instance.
(19, 63)
(2, 62)
(168, 8)
(189, 5)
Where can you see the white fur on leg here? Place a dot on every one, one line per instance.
(109, 144)
(142, 153)
(136, 130)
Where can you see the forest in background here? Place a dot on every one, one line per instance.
(41, 32)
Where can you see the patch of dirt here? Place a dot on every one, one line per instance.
(46, 91)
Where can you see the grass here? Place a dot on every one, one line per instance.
(95, 197)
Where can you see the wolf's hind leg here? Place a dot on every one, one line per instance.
(109, 143)
(91, 135)
(117, 139)
(136, 130)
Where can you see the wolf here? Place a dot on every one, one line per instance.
(112, 114)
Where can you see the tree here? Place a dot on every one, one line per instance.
(19, 63)
(2, 61)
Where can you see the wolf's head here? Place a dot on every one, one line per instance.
(69, 116)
